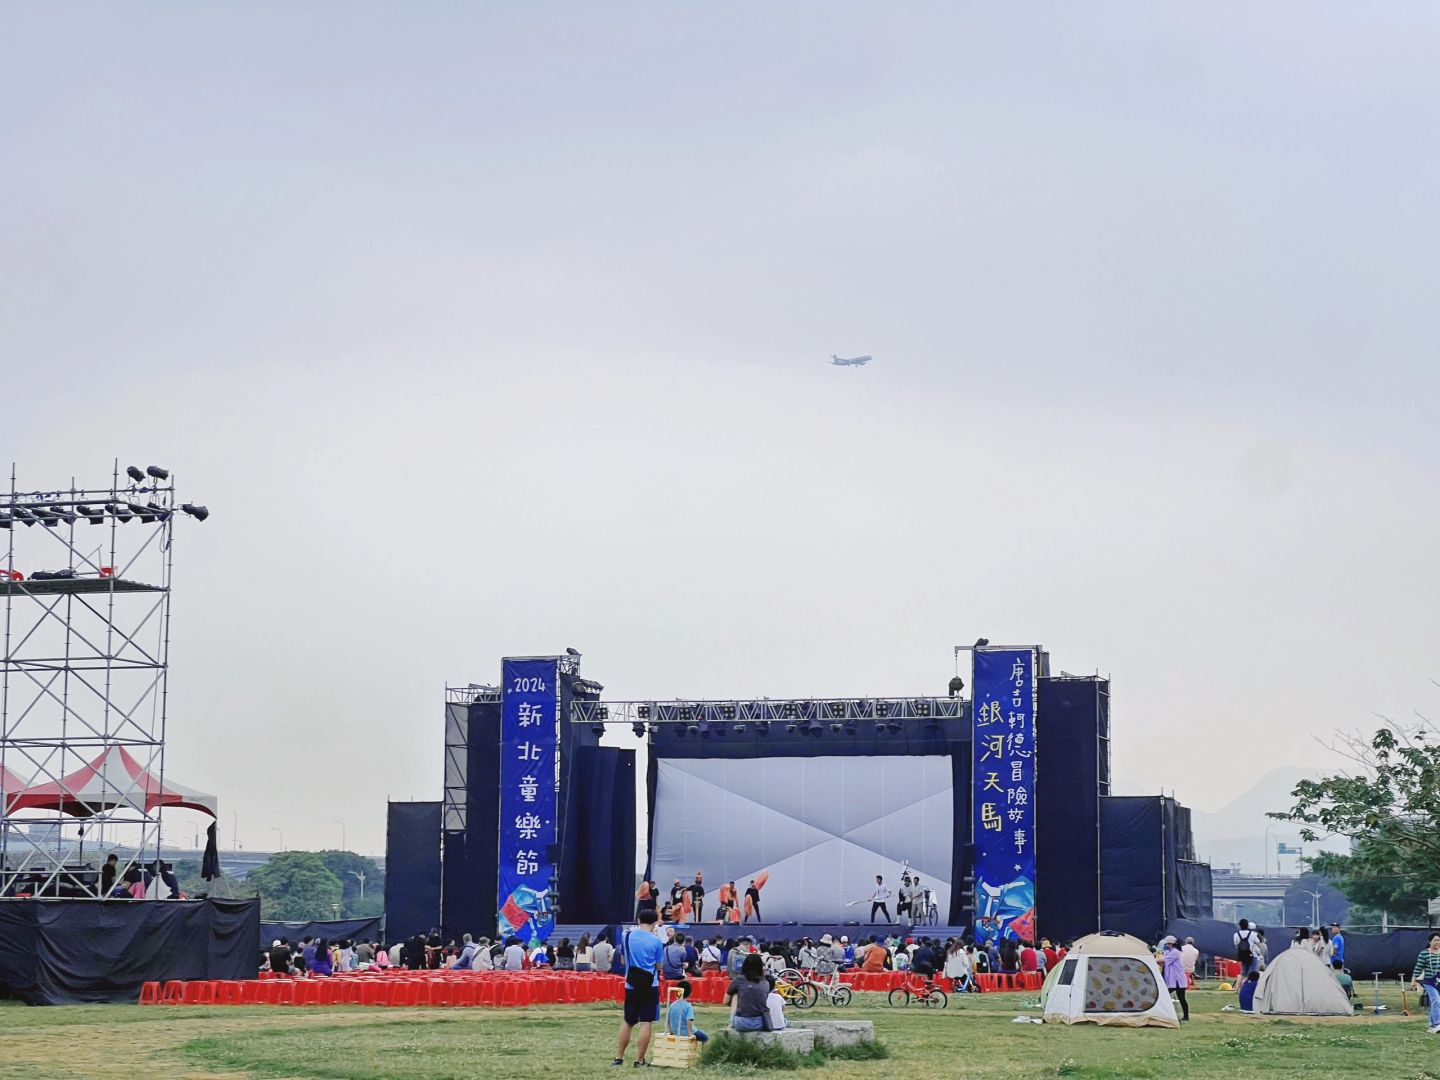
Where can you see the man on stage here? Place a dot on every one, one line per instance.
(879, 898)
(697, 895)
(752, 902)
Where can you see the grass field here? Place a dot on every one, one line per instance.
(975, 1037)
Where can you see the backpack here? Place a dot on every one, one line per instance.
(1242, 949)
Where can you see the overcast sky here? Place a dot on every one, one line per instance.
(497, 328)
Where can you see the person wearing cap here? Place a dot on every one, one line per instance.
(1337, 944)
(847, 952)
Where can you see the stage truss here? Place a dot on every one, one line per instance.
(811, 715)
(84, 677)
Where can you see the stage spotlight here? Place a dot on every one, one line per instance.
(981, 642)
(135, 474)
(571, 651)
(46, 518)
(5, 520)
(119, 513)
(894, 727)
(789, 710)
(956, 685)
(25, 517)
(199, 513)
(144, 513)
(643, 712)
(922, 708)
(157, 472)
(815, 728)
(64, 514)
(738, 729)
(690, 729)
(597, 729)
(836, 727)
(92, 515)
(882, 708)
(727, 712)
(880, 727)
(159, 511)
(790, 727)
(639, 729)
(835, 708)
(603, 712)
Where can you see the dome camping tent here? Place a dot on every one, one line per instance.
(1297, 983)
(1110, 979)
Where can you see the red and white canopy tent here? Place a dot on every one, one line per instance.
(112, 781)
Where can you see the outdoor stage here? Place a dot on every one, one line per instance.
(772, 931)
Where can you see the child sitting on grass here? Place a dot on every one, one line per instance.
(680, 1016)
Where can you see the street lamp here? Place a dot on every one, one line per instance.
(1315, 909)
(1272, 825)
(277, 829)
(235, 829)
(344, 844)
(360, 876)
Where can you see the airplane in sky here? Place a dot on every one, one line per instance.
(853, 361)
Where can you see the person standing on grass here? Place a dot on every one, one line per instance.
(1427, 978)
(1245, 947)
(1189, 955)
(1173, 967)
(642, 950)
(1337, 944)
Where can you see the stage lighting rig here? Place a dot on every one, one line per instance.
(199, 513)
(957, 684)
(144, 513)
(638, 729)
(92, 515)
(135, 474)
(119, 513)
(643, 712)
(64, 514)
(157, 472)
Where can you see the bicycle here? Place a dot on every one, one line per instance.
(923, 911)
(828, 986)
(795, 989)
(917, 989)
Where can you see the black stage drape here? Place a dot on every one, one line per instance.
(66, 952)
(330, 930)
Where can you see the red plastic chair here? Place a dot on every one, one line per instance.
(150, 993)
(230, 992)
(199, 992)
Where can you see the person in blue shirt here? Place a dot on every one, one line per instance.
(642, 950)
(1247, 991)
(680, 1017)
(672, 962)
(1337, 943)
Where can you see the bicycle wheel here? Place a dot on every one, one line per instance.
(809, 995)
(932, 916)
(841, 996)
(899, 996)
(791, 976)
(936, 999)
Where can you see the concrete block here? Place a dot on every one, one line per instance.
(799, 1040)
(837, 1032)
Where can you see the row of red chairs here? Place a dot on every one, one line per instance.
(433, 989)
(1000, 981)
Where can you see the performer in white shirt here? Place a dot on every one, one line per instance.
(879, 898)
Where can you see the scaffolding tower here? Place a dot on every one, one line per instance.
(83, 686)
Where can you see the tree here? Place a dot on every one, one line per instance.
(1389, 807)
(346, 865)
(295, 886)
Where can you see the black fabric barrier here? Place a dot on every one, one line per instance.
(1390, 954)
(412, 869)
(596, 880)
(68, 952)
(1131, 857)
(332, 930)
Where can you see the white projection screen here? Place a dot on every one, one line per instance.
(822, 827)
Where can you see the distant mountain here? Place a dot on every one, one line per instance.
(1235, 833)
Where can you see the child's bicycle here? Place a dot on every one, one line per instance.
(795, 989)
(823, 982)
(915, 988)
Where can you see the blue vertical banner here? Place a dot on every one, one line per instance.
(529, 791)
(1003, 796)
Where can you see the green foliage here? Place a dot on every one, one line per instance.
(297, 885)
(1390, 809)
(345, 865)
(728, 1050)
